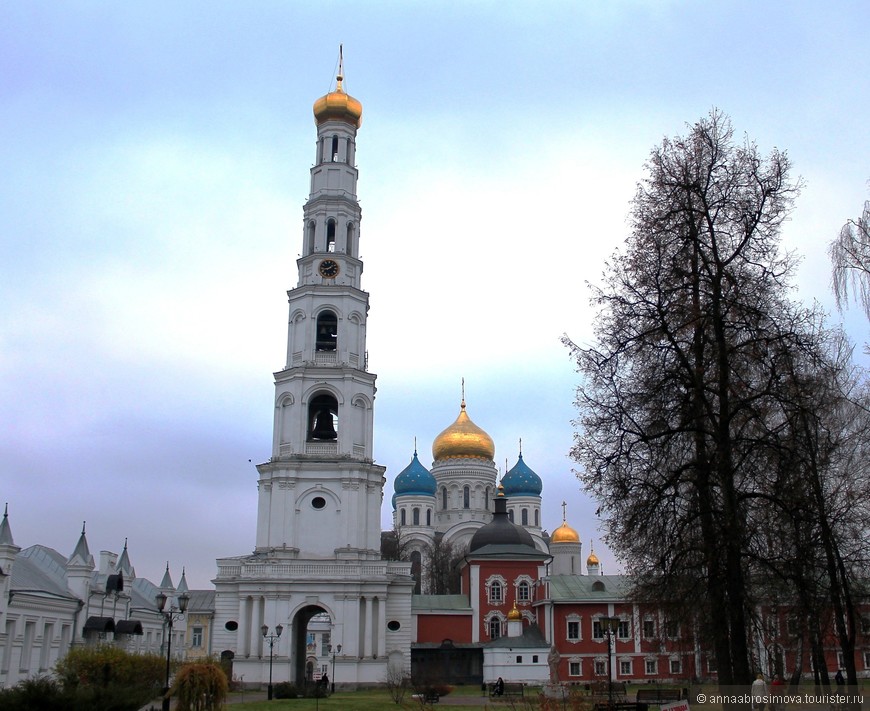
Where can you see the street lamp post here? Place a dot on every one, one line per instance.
(170, 616)
(271, 637)
(612, 625)
(333, 650)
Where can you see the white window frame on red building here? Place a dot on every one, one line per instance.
(574, 619)
(502, 582)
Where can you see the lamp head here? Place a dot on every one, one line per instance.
(278, 630)
(183, 601)
(160, 598)
(265, 630)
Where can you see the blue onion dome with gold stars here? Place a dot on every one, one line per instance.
(521, 480)
(414, 480)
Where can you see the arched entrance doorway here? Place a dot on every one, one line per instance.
(311, 644)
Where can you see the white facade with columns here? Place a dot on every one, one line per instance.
(318, 524)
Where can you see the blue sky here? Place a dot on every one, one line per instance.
(153, 170)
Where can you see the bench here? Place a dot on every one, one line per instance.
(430, 697)
(660, 696)
(511, 688)
(617, 706)
(600, 690)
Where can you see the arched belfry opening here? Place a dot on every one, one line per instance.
(312, 630)
(323, 418)
(330, 236)
(327, 331)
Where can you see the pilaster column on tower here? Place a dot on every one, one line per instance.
(243, 632)
(370, 631)
(259, 610)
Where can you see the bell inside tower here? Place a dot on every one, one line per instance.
(327, 331)
(323, 418)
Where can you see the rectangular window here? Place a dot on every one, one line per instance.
(524, 592)
(867, 660)
(7, 648)
(196, 638)
(325, 641)
(624, 631)
(573, 630)
(672, 630)
(573, 668)
(841, 661)
(711, 665)
(865, 625)
(27, 648)
(600, 668)
(651, 667)
(791, 625)
(534, 659)
(519, 659)
(649, 628)
(625, 668)
(676, 666)
(45, 650)
(597, 629)
(65, 637)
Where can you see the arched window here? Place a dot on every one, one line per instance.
(428, 517)
(348, 151)
(335, 149)
(495, 592)
(466, 497)
(327, 331)
(486, 498)
(524, 591)
(525, 517)
(444, 497)
(415, 516)
(537, 517)
(330, 236)
(402, 517)
(495, 628)
(323, 418)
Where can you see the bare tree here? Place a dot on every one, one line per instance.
(442, 566)
(691, 320)
(850, 259)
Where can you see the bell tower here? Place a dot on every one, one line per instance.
(321, 489)
(317, 553)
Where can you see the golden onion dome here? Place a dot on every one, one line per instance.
(463, 439)
(592, 559)
(337, 105)
(515, 614)
(565, 534)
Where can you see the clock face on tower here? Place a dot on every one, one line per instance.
(328, 269)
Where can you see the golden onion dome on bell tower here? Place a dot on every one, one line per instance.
(463, 439)
(338, 105)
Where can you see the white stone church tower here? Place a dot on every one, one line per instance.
(318, 524)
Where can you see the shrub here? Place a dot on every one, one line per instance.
(200, 686)
(106, 677)
(285, 690)
(39, 694)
